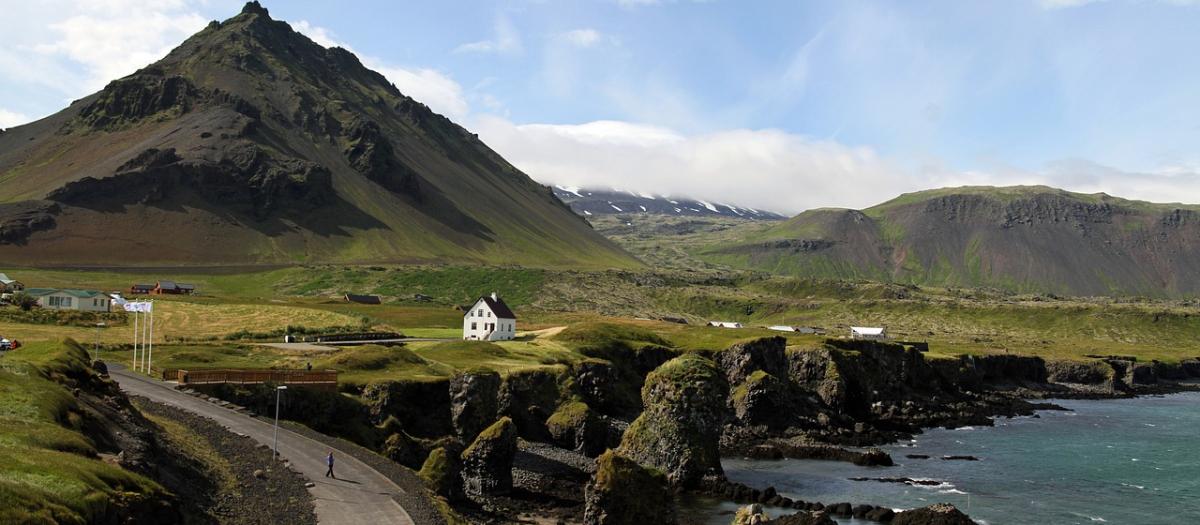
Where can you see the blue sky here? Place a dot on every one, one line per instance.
(782, 105)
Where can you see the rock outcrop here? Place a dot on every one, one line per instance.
(622, 492)
(679, 431)
(474, 402)
(577, 427)
(487, 463)
(936, 514)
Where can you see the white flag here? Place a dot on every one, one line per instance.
(118, 300)
(130, 307)
(148, 306)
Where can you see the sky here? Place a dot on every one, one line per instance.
(777, 105)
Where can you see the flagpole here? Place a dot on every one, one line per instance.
(150, 356)
(134, 364)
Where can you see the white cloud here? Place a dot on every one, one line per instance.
(627, 3)
(9, 119)
(762, 169)
(506, 42)
(583, 37)
(113, 39)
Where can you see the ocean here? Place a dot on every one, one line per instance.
(1127, 461)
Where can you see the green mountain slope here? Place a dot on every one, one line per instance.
(1022, 239)
(249, 143)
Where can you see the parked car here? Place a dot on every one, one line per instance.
(5, 344)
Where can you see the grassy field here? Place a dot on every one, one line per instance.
(206, 331)
(51, 473)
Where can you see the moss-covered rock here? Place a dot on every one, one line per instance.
(679, 432)
(441, 473)
(528, 398)
(487, 463)
(622, 492)
(576, 426)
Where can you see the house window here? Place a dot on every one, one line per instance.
(64, 302)
(489, 314)
(481, 312)
(472, 326)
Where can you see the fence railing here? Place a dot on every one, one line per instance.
(319, 379)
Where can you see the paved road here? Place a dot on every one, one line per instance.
(359, 495)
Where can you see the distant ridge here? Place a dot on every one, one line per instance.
(1022, 239)
(251, 144)
(608, 202)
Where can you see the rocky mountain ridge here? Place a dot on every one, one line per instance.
(1022, 239)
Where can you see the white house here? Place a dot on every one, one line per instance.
(61, 299)
(864, 332)
(489, 319)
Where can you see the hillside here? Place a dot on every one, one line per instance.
(1024, 239)
(251, 144)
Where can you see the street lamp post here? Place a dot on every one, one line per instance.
(98, 327)
(275, 446)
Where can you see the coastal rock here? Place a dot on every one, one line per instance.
(762, 399)
(622, 492)
(487, 463)
(576, 426)
(528, 397)
(441, 473)
(422, 407)
(936, 514)
(742, 360)
(474, 402)
(679, 431)
(597, 381)
(805, 517)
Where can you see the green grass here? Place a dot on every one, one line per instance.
(49, 472)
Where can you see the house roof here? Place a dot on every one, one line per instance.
(87, 294)
(363, 299)
(676, 320)
(5, 280)
(143, 286)
(497, 306)
(866, 330)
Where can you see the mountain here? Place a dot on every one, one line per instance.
(251, 144)
(1023, 239)
(608, 202)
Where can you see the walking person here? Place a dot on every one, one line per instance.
(329, 461)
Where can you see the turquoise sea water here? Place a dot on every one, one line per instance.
(1130, 461)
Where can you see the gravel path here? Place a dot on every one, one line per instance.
(274, 495)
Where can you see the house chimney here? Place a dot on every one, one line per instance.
(494, 298)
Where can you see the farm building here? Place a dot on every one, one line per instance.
(782, 328)
(139, 289)
(725, 324)
(489, 319)
(363, 299)
(62, 299)
(10, 285)
(173, 288)
(864, 332)
(675, 320)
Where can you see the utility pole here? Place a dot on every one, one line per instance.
(275, 446)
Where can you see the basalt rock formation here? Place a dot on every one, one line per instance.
(622, 492)
(250, 144)
(487, 463)
(680, 429)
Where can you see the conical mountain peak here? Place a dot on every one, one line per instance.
(251, 143)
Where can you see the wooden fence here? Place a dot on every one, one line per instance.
(316, 379)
